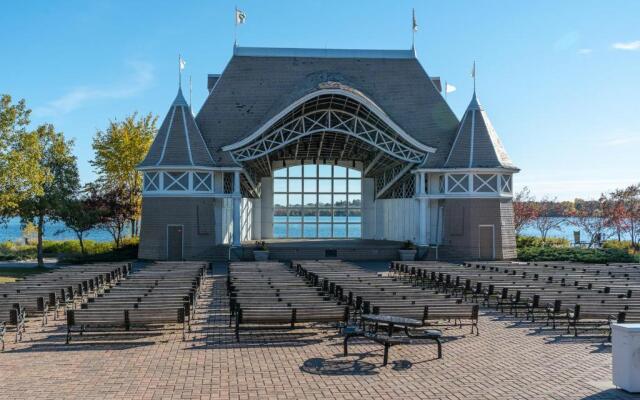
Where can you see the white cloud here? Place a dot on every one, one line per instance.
(629, 46)
(623, 140)
(585, 51)
(139, 81)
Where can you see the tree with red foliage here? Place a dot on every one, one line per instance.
(589, 217)
(547, 216)
(524, 210)
(115, 209)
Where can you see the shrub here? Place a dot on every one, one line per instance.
(128, 251)
(622, 245)
(534, 241)
(67, 250)
(574, 254)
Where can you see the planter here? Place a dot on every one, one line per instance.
(261, 255)
(407, 255)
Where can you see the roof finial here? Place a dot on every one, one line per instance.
(473, 75)
(181, 64)
(414, 29)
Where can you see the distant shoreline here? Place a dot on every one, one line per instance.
(11, 231)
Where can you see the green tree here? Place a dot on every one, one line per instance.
(57, 165)
(118, 150)
(20, 176)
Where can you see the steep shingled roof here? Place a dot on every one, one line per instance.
(257, 84)
(477, 144)
(179, 141)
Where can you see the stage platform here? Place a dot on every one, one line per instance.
(316, 249)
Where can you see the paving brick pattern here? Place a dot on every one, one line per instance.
(507, 361)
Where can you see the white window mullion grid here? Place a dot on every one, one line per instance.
(331, 208)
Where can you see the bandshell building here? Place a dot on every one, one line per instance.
(318, 145)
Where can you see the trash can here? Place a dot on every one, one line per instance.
(626, 356)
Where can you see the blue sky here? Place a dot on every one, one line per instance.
(559, 79)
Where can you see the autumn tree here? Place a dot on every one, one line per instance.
(623, 212)
(547, 216)
(118, 150)
(57, 165)
(524, 211)
(589, 217)
(114, 208)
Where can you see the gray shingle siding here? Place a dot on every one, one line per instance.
(477, 145)
(178, 141)
(254, 89)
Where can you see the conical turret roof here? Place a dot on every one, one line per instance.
(179, 142)
(477, 144)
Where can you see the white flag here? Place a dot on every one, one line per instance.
(415, 23)
(449, 88)
(183, 63)
(240, 17)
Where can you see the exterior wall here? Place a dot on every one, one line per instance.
(368, 209)
(507, 230)
(266, 208)
(226, 221)
(462, 218)
(195, 214)
(247, 219)
(396, 219)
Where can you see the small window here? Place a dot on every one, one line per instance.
(202, 182)
(485, 183)
(151, 181)
(176, 181)
(458, 183)
(506, 183)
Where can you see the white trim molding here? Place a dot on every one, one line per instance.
(468, 183)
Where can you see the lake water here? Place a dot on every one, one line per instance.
(12, 231)
(566, 231)
(312, 227)
(320, 227)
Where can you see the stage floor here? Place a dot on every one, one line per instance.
(315, 249)
(328, 243)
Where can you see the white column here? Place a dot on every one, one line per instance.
(423, 210)
(236, 208)
(424, 218)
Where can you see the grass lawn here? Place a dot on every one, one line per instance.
(13, 274)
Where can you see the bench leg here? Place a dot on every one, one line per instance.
(439, 343)
(386, 354)
(345, 345)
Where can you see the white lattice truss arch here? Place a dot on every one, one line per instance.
(344, 112)
(331, 120)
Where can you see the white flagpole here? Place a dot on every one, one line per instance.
(190, 91)
(179, 71)
(235, 29)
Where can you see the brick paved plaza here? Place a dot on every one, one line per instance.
(506, 361)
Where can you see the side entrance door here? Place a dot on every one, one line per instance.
(174, 242)
(486, 242)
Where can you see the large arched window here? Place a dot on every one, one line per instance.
(317, 201)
